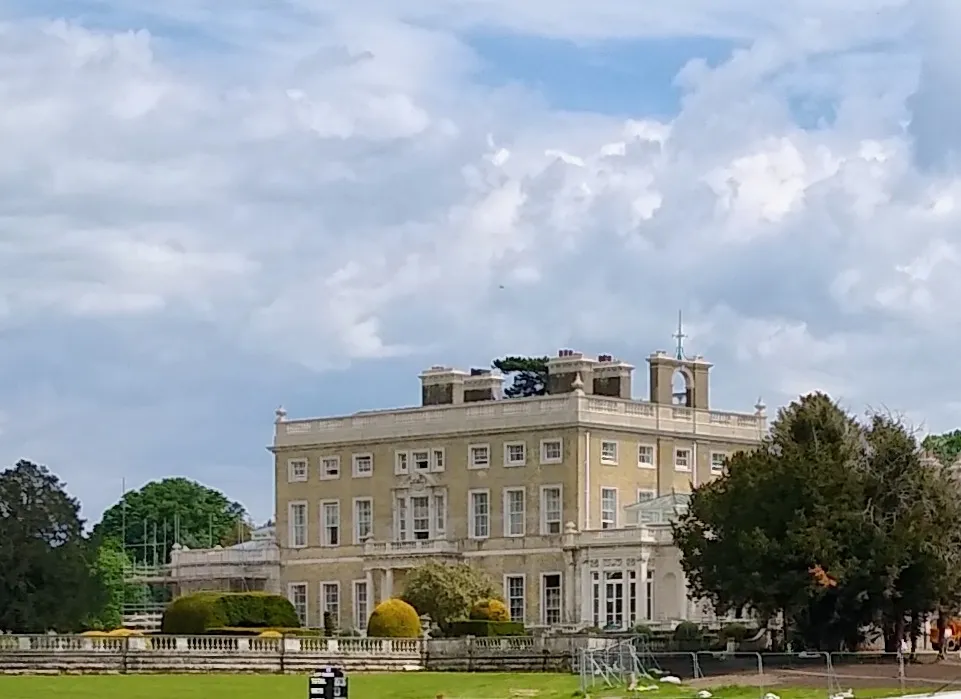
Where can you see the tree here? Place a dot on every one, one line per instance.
(110, 567)
(47, 578)
(945, 447)
(528, 375)
(836, 525)
(149, 521)
(446, 593)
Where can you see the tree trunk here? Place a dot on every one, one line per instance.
(942, 625)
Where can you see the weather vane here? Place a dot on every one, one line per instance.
(679, 336)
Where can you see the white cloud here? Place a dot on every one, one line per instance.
(318, 185)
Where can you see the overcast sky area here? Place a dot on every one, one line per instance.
(208, 209)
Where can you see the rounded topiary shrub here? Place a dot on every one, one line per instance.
(733, 632)
(394, 618)
(688, 636)
(198, 612)
(489, 610)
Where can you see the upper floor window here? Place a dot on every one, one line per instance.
(514, 512)
(479, 514)
(297, 470)
(682, 459)
(552, 451)
(608, 452)
(515, 454)
(718, 461)
(551, 510)
(363, 519)
(420, 460)
(645, 456)
(479, 456)
(330, 467)
(363, 465)
(297, 521)
(401, 463)
(330, 521)
(608, 508)
(437, 460)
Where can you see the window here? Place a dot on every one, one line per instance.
(551, 598)
(552, 451)
(363, 465)
(645, 456)
(515, 454)
(643, 495)
(330, 600)
(363, 519)
(400, 519)
(649, 594)
(437, 460)
(329, 468)
(297, 518)
(608, 452)
(718, 459)
(421, 460)
(420, 522)
(608, 508)
(400, 463)
(361, 604)
(514, 512)
(682, 459)
(514, 593)
(297, 594)
(440, 514)
(480, 514)
(330, 521)
(551, 509)
(297, 470)
(480, 456)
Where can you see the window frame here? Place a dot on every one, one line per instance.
(324, 476)
(677, 452)
(438, 465)
(472, 514)
(360, 625)
(291, 586)
(560, 597)
(401, 462)
(355, 459)
(322, 599)
(472, 465)
(414, 453)
(719, 471)
(523, 598)
(608, 460)
(290, 524)
(606, 489)
(506, 517)
(643, 464)
(302, 478)
(507, 449)
(358, 539)
(560, 448)
(324, 534)
(544, 524)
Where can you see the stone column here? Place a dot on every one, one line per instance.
(570, 586)
(371, 599)
(587, 599)
(388, 583)
(642, 587)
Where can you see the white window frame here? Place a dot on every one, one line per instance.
(545, 528)
(360, 624)
(471, 514)
(718, 470)
(429, 516)
(636, 517)
(324, 584)
(401, 463)
(355, 459)
(545, 459)
(324, 533)
(290, 524)
(608, 459)
(507, 594)
(414, 453)
(472, 463)
(324, 476)
(290, 596)
(293, 476)
(677, 452)
(644, 464)
(508, 534)
(560, 596)
(358, 538)
(440, 523)
(508, 463)
(438, 460)
(609, 523)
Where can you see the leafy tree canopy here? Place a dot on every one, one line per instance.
(173, 510)
(945, 447)
(110, 565)
(528, 375)
(47, 577)
(446, 592)
(837, 525)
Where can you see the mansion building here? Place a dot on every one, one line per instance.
(564, 499)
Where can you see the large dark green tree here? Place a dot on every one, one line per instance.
(149, 521)
(945, 447)
(836, 525)
(47, 573)
(528, 375)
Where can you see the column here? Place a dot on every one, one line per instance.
(685, 602)
(642, 587)
(570, 585)
(388, 583)
(370, 589)
(587, 599)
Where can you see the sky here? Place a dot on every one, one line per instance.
(210, 209)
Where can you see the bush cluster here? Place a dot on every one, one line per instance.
(489, 610)
(202, 612)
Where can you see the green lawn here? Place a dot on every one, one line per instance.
(394, 686)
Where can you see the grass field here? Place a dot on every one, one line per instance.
(394, 686)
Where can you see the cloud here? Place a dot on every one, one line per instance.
(206, 213)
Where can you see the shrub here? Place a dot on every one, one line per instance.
(643, 630)
(124, 633)
(688, 636)
(475, 627)
(394, 618)
(252, 631)
(489, 610)
(733, 632)
(201, 611)
(270, 633)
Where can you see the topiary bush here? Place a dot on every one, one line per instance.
(688, 636)
(197, 613)
(489, 610)
(394, 618)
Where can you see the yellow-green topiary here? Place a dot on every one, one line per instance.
(394, 618)
(490, 610)
(124, 633)
(269, 633)
(94, 634)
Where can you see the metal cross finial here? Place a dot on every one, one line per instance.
(679, 336)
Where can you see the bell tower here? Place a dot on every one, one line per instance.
(679, 380)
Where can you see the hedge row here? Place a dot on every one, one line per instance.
(199, 612)
(476, 627)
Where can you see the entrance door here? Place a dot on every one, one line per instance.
(614, 600)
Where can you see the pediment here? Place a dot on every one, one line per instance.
(418, 482)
